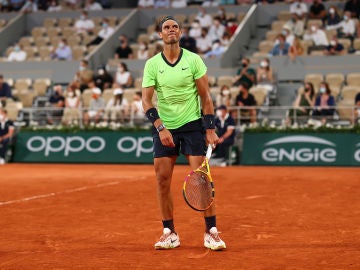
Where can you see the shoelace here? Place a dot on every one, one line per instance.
(215, 236)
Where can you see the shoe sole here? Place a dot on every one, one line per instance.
(219, 248)
(163, 248)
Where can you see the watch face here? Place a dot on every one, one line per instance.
(160, 127)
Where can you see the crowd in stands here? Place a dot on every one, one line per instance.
(312, 29)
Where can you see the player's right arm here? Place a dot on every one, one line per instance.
(165, 135)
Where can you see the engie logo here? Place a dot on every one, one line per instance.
(303, 149)
(357, 153)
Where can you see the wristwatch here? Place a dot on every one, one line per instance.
(160, 127)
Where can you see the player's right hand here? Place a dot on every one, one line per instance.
(166, 138)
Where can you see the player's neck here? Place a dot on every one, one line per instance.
(172, 52)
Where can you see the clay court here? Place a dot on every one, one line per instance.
(106, 217)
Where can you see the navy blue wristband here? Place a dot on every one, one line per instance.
(209, 121)
(152, 115)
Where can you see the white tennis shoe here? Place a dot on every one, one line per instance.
(168, 240)
(213, 241)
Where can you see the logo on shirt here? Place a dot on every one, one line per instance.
(185, 68)
(161, 71)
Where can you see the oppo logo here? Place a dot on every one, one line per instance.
(357, 153)
(95, 144)
(276, 152)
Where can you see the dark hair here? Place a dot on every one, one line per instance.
(245, 85)
(328, 90)
(124, 66)
(139, 93)
(312, 91)
(167, 18)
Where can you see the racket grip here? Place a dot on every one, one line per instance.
(209, 151)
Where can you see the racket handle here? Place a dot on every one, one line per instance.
(209, 151)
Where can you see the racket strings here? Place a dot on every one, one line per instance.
(198, 191)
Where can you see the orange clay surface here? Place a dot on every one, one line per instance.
(107, 217)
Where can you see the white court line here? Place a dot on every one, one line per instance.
(36, 197)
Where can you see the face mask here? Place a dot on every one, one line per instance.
(195, 25)
(332, 11)
(82, 17)
(226, 92)
(218, 113)
(142, 47)
(313, 28)
(230, 24)
(332, 42)
(81, 68)
(284, 33)
(17, 48)
(70, 94)
(346, 17)
(61, 45)
(322, 90)
(104, 25)
(101, 72)
(120, 69)
(263, 64)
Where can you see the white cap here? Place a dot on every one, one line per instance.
(118, 91)
(96, 91)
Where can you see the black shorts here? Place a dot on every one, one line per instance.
(188, 142)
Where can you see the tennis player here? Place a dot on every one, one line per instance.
(179, 78)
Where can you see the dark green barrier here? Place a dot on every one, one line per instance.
(85, 147)
(301, 149)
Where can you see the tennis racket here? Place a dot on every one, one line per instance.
(198, 188)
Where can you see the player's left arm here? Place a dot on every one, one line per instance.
(202, 85)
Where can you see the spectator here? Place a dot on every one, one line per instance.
(295, 25)
(17, 55)
(62, 51)
(222, 16)
(7, 131)
(5, 91)
(137, 111)
(143, 51)
(146, 4)
(216, 30)
(203, 43)
(96, 108)
(324, 103)
(29, 6)
(227, 2)
(105, 32)
(56, 103)
(333, 16)
(296, 49)
(217, 50)
(158, 49)
(103, 78)
(247, 100)
(187, 42)
(334, 48)
(162, 4)
(317, 11)
(123, 77)
(72, 111)
(245, 74)
(91, 5)
(302, 104)
(225, 129)
(224, 97)
(154, 36)
(346, 27)
(124, 50)
(117, 107)
(204, 19)
(357, 107)
(289, 36)
(84, 25)
(318, 37)
(265, 75)
(354, 7)
(281, 47)
(299, 8)
(178, 3)
(54, 6)
(231, 26)
(84, 75)
(72, 4)
(225, 40)
(195, 30)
